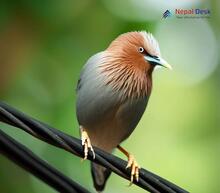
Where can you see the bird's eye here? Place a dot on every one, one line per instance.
(141, 49)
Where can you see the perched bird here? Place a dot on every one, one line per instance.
(112, 95)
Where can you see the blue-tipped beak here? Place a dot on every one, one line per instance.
(158, 61)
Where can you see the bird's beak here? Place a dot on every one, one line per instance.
(158, 61)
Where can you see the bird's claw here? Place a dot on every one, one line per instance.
(86, 143)
(132, 163)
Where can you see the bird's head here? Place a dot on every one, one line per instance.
(129, 62)
(138, 50)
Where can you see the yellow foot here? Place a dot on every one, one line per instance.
(132, 163)
(86, 143)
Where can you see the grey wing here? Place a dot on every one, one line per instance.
(94, 98)
(100, 109)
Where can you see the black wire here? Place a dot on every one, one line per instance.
(22, 156)
(147, 180)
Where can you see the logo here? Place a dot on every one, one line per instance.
(167, 14)
(192, 13)
(187, 13)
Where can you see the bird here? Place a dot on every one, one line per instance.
(112, 94)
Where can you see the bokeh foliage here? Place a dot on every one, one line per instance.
(43, 46)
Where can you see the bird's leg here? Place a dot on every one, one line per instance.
(132, 163)
(86, 143)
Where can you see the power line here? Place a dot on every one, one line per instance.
(147, 180)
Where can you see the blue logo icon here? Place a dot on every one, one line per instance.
(167, 14)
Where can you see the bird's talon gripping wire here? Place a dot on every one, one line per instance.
(86, 143)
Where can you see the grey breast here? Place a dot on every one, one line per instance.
(100, 110)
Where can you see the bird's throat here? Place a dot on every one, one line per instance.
(130, 82)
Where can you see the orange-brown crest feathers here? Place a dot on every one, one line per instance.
(125, 67)
(126, 47)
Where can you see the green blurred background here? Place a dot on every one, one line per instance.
(43, 46)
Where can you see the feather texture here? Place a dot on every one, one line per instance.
(102, 108)
(131, 81)
(113, 92)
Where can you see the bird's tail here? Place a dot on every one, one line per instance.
(100, 175)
